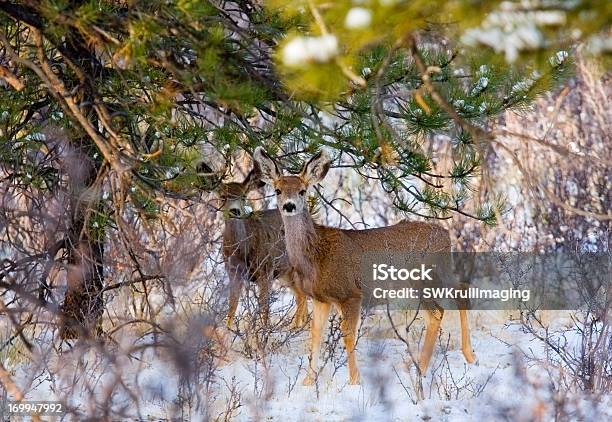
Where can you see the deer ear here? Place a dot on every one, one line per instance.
(267, 166)
(209, 179)
(315, 170)
(253, 179)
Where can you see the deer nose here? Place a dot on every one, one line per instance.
(289, 207)
(234, 212)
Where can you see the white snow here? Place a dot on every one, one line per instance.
(510, 30)
(358, 18)
(480, 85)
(526, 84)
(301, 50)
(35, 137)
(559, 58)
(501, 381)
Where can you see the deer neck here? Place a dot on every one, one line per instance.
(235, 235)
(301, 243)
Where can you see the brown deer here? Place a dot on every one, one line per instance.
(325, 261)
(253, 246)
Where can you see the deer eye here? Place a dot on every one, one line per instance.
(278, 191)
(303, 192)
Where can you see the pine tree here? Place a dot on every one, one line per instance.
(137, 87)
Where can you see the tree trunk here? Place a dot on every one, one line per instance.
(83, 306)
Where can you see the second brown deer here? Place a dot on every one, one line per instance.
(325, 261)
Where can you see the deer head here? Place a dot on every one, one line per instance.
(291, 190)
(232, 195)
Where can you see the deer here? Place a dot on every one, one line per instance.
(253, 245)
(325, 262)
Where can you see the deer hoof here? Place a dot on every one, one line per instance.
(308, 381)
(469, 356)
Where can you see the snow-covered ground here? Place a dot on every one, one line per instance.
(507, 383)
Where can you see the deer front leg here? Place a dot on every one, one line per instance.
(234, 296)
(235, 291)
(263, 300)
(434, 317)
(320, 313)
(301, 309)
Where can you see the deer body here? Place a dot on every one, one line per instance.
(334, 255)
(325, 261)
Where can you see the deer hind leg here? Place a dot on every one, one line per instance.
(351, 314)
(466, 342)
(235, 291)
(320, 313)
(301, 309)
(434, 315)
